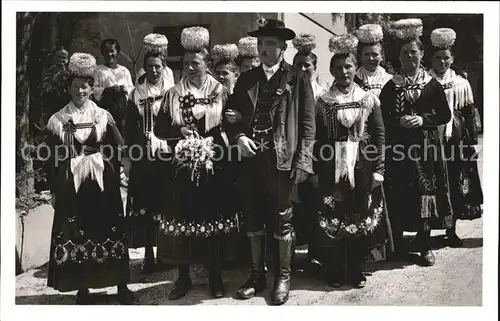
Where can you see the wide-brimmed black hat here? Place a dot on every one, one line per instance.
(273, 27)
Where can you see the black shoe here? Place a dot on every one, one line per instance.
(358, 280)
(216, 285)
(335, 278)
(428, 258)
(148, 266)
(83, 297)
(181, 288)
(453, 240)
(125, 296)
(254, 285)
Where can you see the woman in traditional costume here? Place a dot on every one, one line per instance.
(414, 107)
(55, 84)
(306, 60)
(113, 83)
(156, 42)
(349, 148)
(460, 133)
(373, 78)
(226, 69)
(142, 167)
(195, 216)
(248, 54)
(89, 247)
(371, 53)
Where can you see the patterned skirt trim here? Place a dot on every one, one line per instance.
(205, 229)
(66, 251)
(354, 225)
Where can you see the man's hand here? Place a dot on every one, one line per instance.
(298, 175)
(233, 116)
(246, 146)
(411, 121)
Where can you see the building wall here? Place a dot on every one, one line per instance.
(225, 28)
(299, 24)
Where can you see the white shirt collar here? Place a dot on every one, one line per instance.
(270, 71)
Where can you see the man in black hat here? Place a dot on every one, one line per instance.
(275, 138)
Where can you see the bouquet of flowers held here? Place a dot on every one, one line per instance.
(195, 153)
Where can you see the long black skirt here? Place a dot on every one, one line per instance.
(89, 243)
(200, 220)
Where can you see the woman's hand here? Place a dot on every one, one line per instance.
(246, 146)
(186, 132)
(53, 201)
(127, 164)
(377, 180)
(233, 116)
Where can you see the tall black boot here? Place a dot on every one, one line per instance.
(182, 285)
(281, 287)
(283, 257)
(257, 281)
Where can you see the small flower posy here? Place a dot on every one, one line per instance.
(195, 153)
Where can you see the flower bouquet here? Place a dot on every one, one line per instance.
(195, 153)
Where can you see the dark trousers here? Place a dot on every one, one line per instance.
(265, 195)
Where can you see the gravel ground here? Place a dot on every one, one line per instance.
(455, 280)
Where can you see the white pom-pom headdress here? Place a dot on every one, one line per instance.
(195, 38)
(304, 42)
(407, 29)
(227, 51)
(247, 47)
(370, 34)
(343, 45)
(443, 38)
(155, 41)
(82, 64)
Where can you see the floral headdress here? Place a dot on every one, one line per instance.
(82, 64)
(443, 38)
(247, 47)
(304, 42)
(195, 38)
(227, 51)
(407, 29)
(155, 41)
(370, 34)
(343, 45)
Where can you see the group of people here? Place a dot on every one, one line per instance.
(344, 169)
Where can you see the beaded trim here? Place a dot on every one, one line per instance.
(203, 229)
